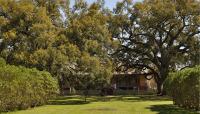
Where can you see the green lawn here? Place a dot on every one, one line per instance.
(108, 105)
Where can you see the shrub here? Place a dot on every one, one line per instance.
(21, 88)
(183, 86)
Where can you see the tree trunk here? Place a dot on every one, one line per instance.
(72, 91)
(85, 98)
(61, 87)
(160, 88)
(86, 94)
(160, 81)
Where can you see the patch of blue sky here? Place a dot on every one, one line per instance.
(108, 3)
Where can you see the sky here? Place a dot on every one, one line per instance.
(108, 3)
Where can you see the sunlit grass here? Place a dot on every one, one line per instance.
(108, 105)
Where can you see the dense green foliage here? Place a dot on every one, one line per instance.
(75, 44)
(34, 34)
(88, 30)
(21, 88)
(183, 86)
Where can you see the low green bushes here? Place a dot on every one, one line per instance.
(21, 88)
(184, 87)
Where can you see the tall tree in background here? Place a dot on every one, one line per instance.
(88, 30)
(154, 35)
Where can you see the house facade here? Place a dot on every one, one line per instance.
(132, 81)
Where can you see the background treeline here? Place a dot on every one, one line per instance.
(184, 87)
(22, 88)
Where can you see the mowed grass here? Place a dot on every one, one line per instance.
(107, 105)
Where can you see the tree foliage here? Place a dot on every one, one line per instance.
(156, 35)
(183, 87)
(88, 31)
(22, 88)
(75, 44)
(34, 34)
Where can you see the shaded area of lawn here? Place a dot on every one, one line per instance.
(170, 109)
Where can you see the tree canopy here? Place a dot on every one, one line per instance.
(33, 34)
(156, 35)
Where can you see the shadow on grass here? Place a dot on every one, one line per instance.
(169, 109)
(68, 102)
(79, 100)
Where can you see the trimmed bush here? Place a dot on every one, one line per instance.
(22, 88)
(184, 87)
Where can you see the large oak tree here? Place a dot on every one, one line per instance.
(156, 34)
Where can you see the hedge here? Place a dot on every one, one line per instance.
(184, 87)
(22, 88)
